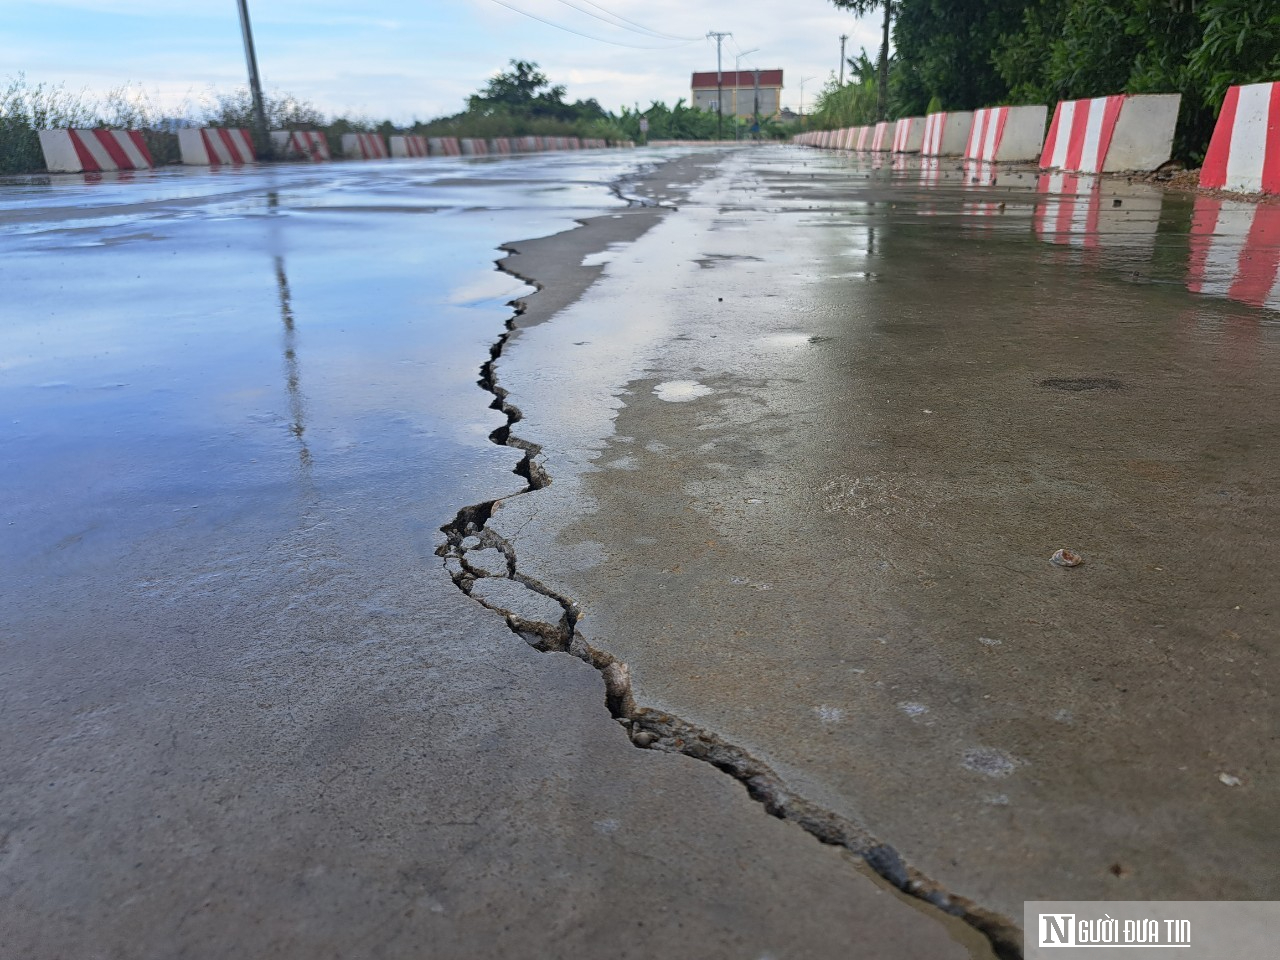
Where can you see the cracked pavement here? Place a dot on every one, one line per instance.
(247, 710)
(765, 482)
(813, 440)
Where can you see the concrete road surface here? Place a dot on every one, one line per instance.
(779, 465)
(247, 713)
(813, 443)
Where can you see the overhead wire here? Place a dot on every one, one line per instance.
(641, 26)
(579, 33)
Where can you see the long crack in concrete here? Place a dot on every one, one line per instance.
(484, 566)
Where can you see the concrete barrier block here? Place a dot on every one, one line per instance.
(409, 146)
(947, 134)
(1109, 134)
(94, 151)
(864, 138)
(1007, 134)
(882, 138)
(908, 135)
(444, 146)
(1244, 154)
(364, 146)
(215, 146)
(301, 145)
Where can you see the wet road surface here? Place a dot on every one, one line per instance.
(814, 495)
(246, 711)
(811, 439)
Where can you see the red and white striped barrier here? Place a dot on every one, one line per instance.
(94, 151)
(864, 137)
(409, 146)
(946, 134)
(908, 135)
(473, 147)
(1007, 134)
(882, 139)
(500, 145)
(1110, 134)
(1235, 251)
(1244, 154)
(364, 146)
(444, 146)
(215, 146)
(529, 144)
(301, 144)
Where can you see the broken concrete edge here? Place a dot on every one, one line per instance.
(655, 729)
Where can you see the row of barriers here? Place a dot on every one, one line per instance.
(1126, 132)
(100, 151)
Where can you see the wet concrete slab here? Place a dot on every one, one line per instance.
(247, 710)
(812, 442)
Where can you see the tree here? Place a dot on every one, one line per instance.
(524, 89)
(861, 8)
(944, 49)
(853, 104)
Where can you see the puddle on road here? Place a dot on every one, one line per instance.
(1210, 246)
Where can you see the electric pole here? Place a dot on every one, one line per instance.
(843, 38)
(803, 81)
(260, 133)
(737, 83)
(719, 83)
(755, 126)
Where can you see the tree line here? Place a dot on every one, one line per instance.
(966, 54)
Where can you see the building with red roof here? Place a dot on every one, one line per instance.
(739, 89)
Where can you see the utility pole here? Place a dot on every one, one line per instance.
(882, 100)
(843, 38)
(737, 82)
(260, 132)
(755, 129)
(719, 83)
(803, 81)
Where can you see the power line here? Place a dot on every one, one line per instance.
(642, 31)
(579, 33)
(656, 33)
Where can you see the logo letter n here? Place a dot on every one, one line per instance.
(1057, 930)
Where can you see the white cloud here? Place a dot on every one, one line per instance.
(421, 59)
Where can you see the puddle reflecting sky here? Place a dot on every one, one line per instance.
(186, 347)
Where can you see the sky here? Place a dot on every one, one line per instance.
(417, 59)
